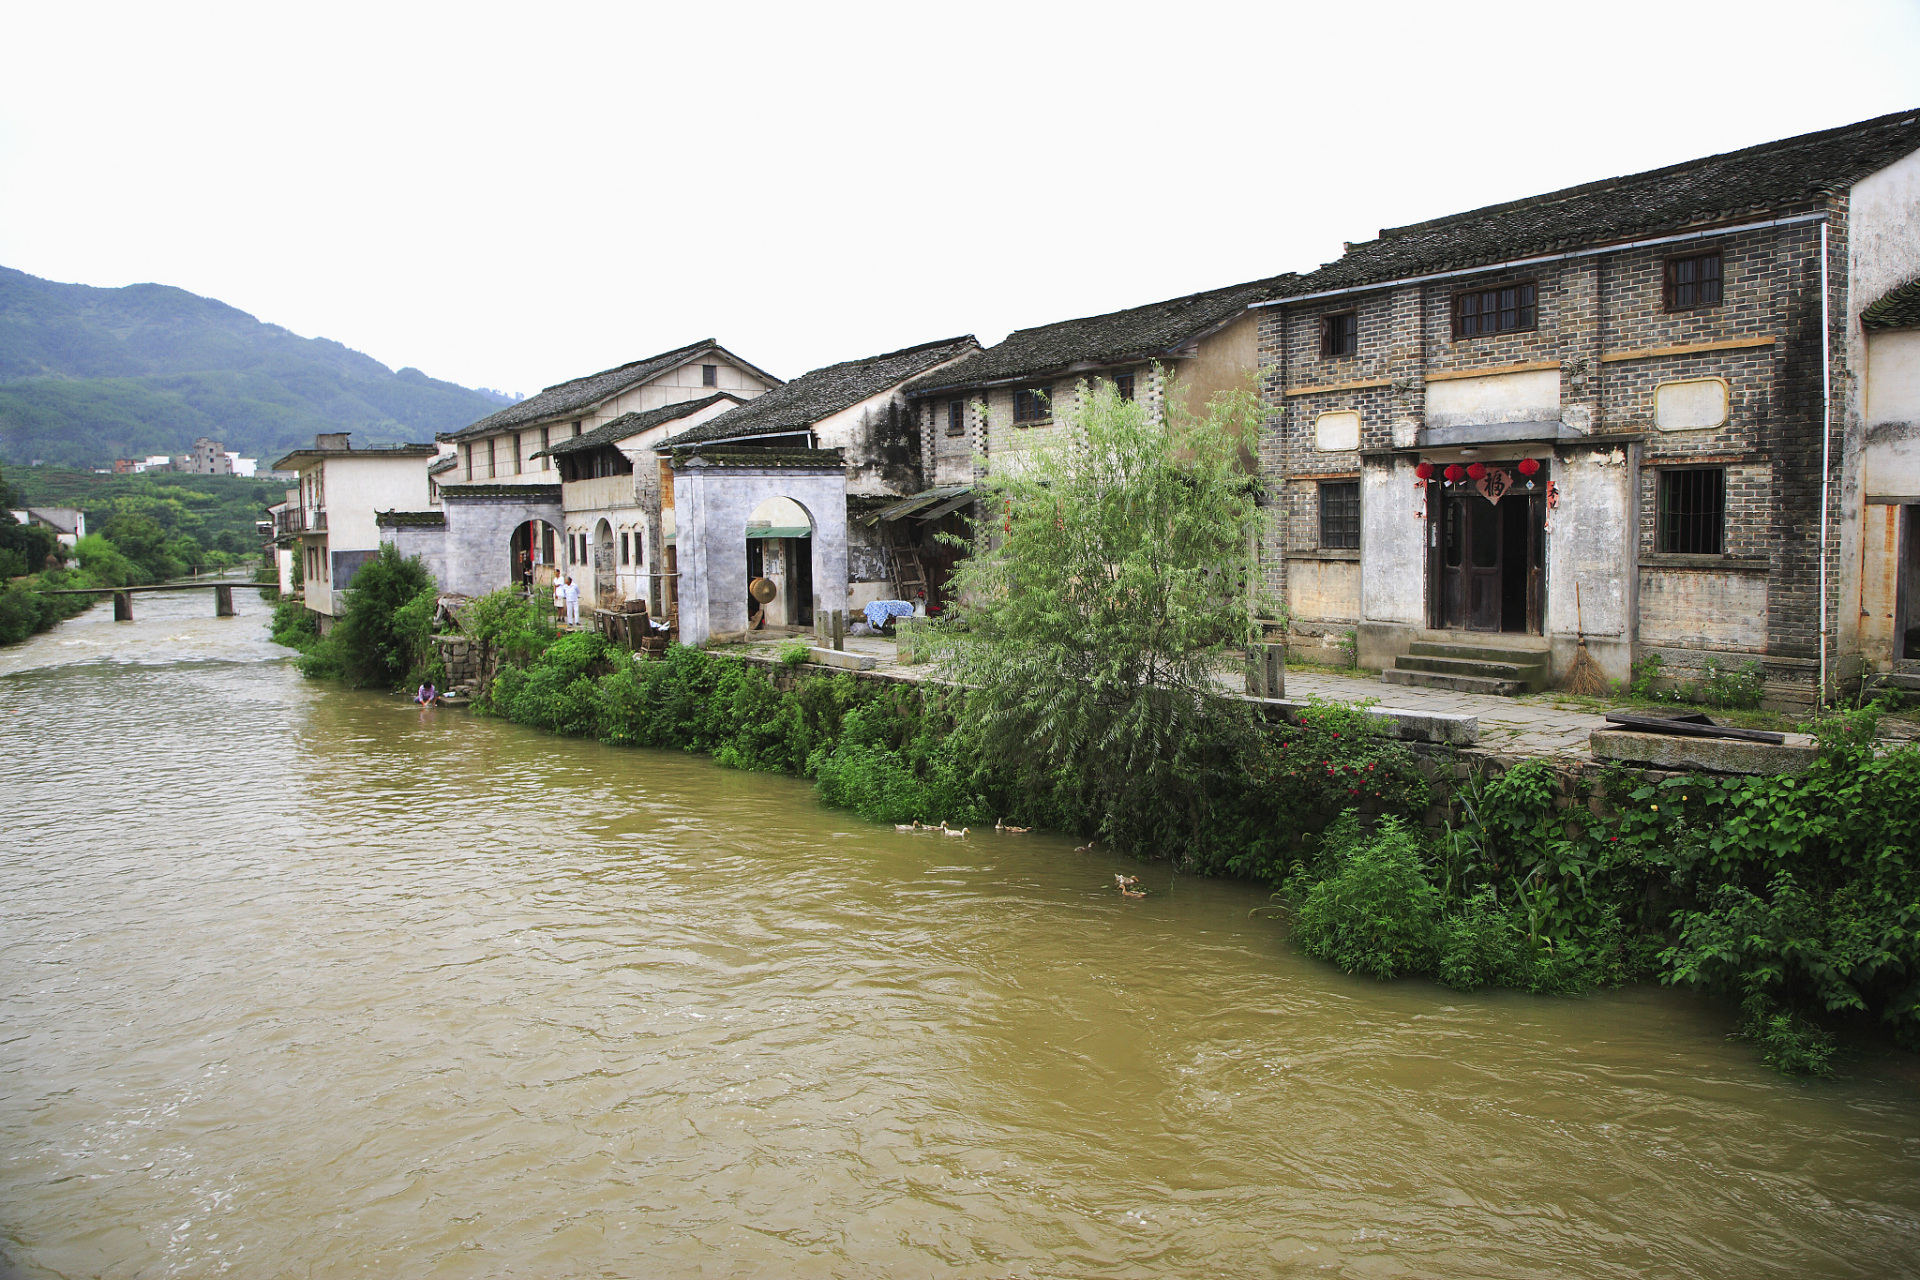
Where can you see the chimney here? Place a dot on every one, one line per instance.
(332, 440)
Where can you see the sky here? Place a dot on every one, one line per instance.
(512, 195)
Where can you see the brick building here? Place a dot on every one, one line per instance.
(1594, 412)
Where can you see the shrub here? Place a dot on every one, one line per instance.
(1375, 913)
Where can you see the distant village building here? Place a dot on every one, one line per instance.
(1644, 412)
(991, 403)
(500, 519)
(778, 490)
(330, 521)
(208, 458)
(67, 524)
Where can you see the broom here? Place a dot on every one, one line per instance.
(1585, 678)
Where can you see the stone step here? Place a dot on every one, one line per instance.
(1479, 652)
(1456, 684)
(1533, 673)
(1903, 680)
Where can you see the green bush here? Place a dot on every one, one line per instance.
(378, 640)
(1375, 913)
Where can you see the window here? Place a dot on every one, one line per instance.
(1030, 405)
(433, 492)
(1502, 310)
(490, 466)
(516, 453)
(1123, 386)
(469, 449)
(1693, 282)
(1341, 337)
(1692, 512)
(623, 548)
(576, 426)
(546, 463)
(956, 417)
(709, 375)
(1340, 515)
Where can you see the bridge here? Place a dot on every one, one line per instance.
(123, 596)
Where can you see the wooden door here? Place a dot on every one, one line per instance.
(1470, 564)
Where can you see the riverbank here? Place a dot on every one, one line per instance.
(1789, 898)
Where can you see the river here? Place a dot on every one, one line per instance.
(303, 982)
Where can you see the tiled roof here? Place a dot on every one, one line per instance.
(811, 397)
(374, 451)
(628, 425)
(1756, 181)
(808, 459)
(414, 519)
(1898, 309)
(584, 393)
(1138, 333)
(443, 466)
(475, 492)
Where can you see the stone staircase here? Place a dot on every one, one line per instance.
(1470, 668)
(1904, 677)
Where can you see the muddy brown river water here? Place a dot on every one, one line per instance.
(301, 982)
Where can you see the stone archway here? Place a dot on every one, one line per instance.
(606, 582)
(714, 495)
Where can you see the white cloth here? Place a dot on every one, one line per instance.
(559, 595)
(573, 602)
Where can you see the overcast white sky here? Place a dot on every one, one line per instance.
(511, 195)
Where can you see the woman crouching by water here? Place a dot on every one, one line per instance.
(428, 696)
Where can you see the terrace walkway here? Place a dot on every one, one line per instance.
(1537, 725)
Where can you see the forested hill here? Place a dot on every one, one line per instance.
(88, 375)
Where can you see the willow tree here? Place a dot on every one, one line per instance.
(1112, 568)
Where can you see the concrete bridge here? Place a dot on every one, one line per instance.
(123, 596)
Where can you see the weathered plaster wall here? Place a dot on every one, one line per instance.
(712, 505)
(427, 542)
(1703, 609)
(479, 540)
(1393, 545)
(358, 487)
(1532, 396)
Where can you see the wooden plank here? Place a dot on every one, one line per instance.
(1364, 384)
(1693, 726)
(1492, 371)
(1686, 349)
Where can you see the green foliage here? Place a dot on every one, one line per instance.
(378, 640)
(295, 626)
(1374, 913)
(1736, 689)
(1111, 580)
(517, 627)
(796, 653)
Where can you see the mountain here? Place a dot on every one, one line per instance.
(89, 375)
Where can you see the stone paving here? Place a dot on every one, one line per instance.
(1533, 726)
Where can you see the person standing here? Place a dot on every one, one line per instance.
(573, 602)
(559, 599)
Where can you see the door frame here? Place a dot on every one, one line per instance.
(1439, 493)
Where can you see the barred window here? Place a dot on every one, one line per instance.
(1693, 282)
(709, 375)
(956, 417)
(1340, 515)
(491, 470)
(1123, 385)
(1342, 335)
(623, 547)
(1030, 405)
(546, 439)
(1503, 310)
(1692, 512)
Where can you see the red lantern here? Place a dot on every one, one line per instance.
(1454, 474)
(1478, 471)
(1529, 466)
(1424, 471)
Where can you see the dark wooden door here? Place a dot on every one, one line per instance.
(1490, 563)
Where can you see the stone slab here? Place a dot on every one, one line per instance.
(1417, 726)
(845, 659)
(1720, 755)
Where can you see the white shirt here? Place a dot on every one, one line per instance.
(573, 592)
(559, 594)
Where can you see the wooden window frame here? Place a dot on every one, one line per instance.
(1668, 286)
(1123, 385)
(1339, 541)
(1040, 401)
(1670, 536)
(546, 442)
(493, 461)
(956, 417)
(1456, 307)
(1329, 340)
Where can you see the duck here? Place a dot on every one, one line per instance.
(907, 826)
(1012, 831)
(1128, 886)
(1085, 848)
(961, 833)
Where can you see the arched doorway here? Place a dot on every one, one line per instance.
(532, 555)
(606, 583)
(780, 559)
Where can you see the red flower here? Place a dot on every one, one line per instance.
(1529, 466)
(1454, 473)
(1478, 471)
(1424, 471)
